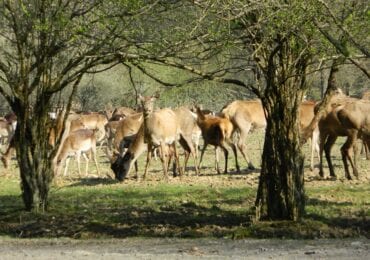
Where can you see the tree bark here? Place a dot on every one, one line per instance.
(281, 186)
(280, 194)
(34, 156)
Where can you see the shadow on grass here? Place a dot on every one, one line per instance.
(121, 213)
(92, 182)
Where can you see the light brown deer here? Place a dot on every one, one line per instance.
(306, 114)
(247, 115)
(348, 117)
(365, 139)
(123, 112)
(92, 121)
(189, 136)
(217, 131)
(78, 142)
(159, 129)
(186, 123)
(6, 131)
(126, 131)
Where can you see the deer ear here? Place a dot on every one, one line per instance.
(140, 98)
(156, 94)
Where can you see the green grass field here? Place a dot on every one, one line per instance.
(193, 206)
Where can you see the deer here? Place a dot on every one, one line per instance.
(217, 131)
(126, 130)
(6, 131)
(365, 140)
(247, 115)
(76, 143)
(344, 116)
(306, 114)
(160, 128)
(92, 121)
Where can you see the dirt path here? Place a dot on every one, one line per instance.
(141, 248)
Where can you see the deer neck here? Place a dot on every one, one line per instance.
(147, 137)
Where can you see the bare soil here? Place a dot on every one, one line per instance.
(171, 248)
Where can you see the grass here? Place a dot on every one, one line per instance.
(210, 205)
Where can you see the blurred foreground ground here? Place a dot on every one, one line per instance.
(169, 248)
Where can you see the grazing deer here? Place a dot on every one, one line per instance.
(76, 143)
(217, 131)
(159, 129)
(126, 131)
(186, 123)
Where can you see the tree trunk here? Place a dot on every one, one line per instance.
(280, 194)
(281, 186)
(34, 159)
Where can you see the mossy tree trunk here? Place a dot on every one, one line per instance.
(280, 193)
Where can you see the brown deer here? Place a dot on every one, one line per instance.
(348, 117)
(247, 115)
(78, 142)
(306, 114)
(365, 139)
(6, 131)
(123, 112)
(164, 126)
(186, 123)
(126, 130)
(92, 121)
(189, 136)
(161, 129)
(217, 131)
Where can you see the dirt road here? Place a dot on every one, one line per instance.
(142, 248)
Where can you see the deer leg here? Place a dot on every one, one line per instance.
(321, 151)
(8, 153)
(66, 166)
(163, 156)
(189, 149)
(367, 147)
(345, 150)
(226, 154)
(327, 147)
(241, 145)
(177, 158)
(148, 159)
(93, 151)
(217, 164)
(78, 157)
(315, 147)
(87, 163)
(202, 153)
(233, 147)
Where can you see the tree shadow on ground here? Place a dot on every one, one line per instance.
(158, 213)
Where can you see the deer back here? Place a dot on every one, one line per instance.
(161, 126)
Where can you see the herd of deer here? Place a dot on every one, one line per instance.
(129, 134)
